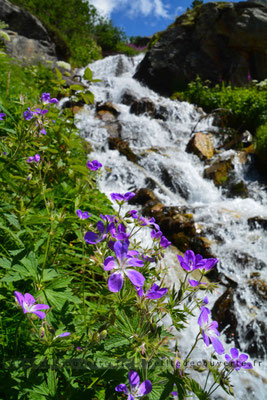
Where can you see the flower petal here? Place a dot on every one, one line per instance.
(115, 282)
(144, 388)
(91, 237)
(247, 365)
(242, 358)
(122, 388)
(121, 249)
(109, 263)
(228, 358)
(100, 226)
(19, 297)
(29, 299)
(217, 345)
(192, 282)
(234, 352)
(206, 339)
(39, 314)
(134, 379)
(135, 277)
(37, 307)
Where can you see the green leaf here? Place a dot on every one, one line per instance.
(88, 74)
(76, 87)
(52, 382)
(115, 341)
(58, 74)
(197, 389)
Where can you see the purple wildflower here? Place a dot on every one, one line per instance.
(27, 303)
(2, 115)
(94, 165)
(122, 197)
(156, 235)
(194, 283)
(136, 390)
(238, 362)
(209, 263)
(35, 159)
(4, 153)
(45, 99)
(164, 242)
(83, 215)
(43, 131)
(149, 221)
(93, 238)
(209, 331)
(153, 293)
(133, 214)
(119, 233)
(190, 261)
(62, 335)
(122, 263)
(28, 114)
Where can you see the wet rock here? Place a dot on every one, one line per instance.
(260, 287)
(173, 181)
(246, 261)
(142, 196)
(238, 189)
(128, 97)
(223, 313)
(143, 106)
(256, 339)
(201, 144)
(114, 128)
(257, 222)
(108, 106)
(123, 147)
(161, 113)
(219, 170)
(105, 115)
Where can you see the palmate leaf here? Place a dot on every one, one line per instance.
(115, 341)
(197, 389)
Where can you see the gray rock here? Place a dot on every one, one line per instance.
(22, 22)
(217, 41)
(30, 51)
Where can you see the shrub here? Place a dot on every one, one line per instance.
(246, 107)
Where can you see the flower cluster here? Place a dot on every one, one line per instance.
(45, 99)
(83, 215)
(34, 159)
(137, 390)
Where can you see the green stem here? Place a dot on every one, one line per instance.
(194, 345)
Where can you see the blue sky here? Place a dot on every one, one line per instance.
(142, 17)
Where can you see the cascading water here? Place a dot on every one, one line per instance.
(160, 145)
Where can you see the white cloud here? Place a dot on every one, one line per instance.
(132, 8)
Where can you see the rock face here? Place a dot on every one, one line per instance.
(29, 40)
(217, 41)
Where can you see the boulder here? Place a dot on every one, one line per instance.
(128, 97)
(108, 106)
(201, 144)
(31, 42)
(143, 106)
(142, 196)
(223, 313)
(30, 51)
(22, 22)
(220, 169)
(123, 147)
(216, 41)
(257, 222)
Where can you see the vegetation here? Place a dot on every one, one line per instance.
(242, 107)
(86, 332)
(77, 25)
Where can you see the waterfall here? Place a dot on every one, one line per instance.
(160, 145)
